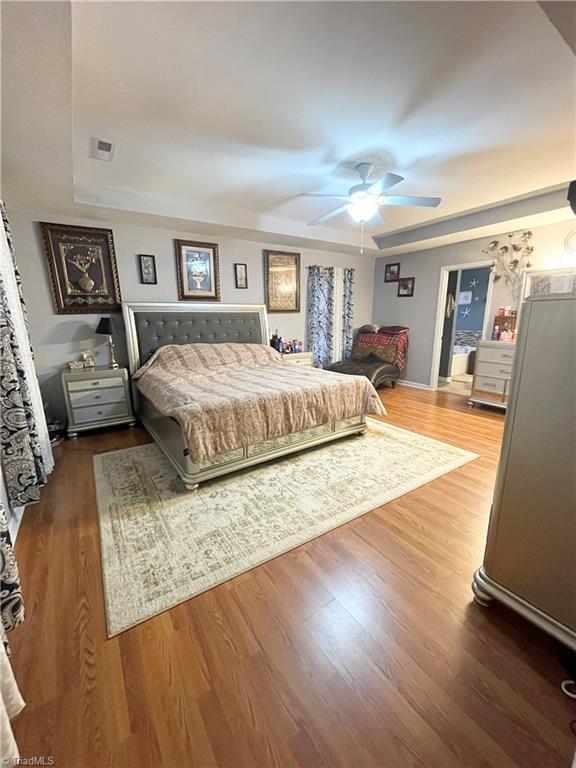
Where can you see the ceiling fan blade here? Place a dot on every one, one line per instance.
(428, 202)
(385, 182)
(329, 215)
(334, 197)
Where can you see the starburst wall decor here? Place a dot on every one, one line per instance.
(510, 259)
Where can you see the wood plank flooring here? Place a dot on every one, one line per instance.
(360, 649)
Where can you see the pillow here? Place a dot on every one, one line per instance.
(369, 328)
(393, 329)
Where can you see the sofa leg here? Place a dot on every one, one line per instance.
(393, 384)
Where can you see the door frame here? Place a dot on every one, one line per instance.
(446, 379)
(441, 305)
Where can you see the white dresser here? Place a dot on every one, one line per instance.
(492, 373)
(96, 397)
(530, 559)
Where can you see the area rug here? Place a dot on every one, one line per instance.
(162, 545)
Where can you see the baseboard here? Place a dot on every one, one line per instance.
(414, 384)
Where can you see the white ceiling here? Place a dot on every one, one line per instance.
(223, 112)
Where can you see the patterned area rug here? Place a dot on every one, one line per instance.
(162, 545)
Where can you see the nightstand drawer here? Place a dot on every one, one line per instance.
(97, 397)
(298, 358)
(87, 384)
(100, 412)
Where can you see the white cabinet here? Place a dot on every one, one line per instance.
(96, 397)
(492, 373)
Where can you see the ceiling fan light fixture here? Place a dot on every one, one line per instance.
(362, 209)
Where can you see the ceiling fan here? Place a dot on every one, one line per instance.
(364, 200)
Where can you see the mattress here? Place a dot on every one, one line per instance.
(228, 396)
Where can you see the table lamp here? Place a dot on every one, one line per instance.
(105, 327)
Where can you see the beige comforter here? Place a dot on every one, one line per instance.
(227, 396)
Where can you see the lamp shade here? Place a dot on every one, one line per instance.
(104, 326)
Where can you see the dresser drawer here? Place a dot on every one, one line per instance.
(109, 381)
(495, 355)
(100, 412)
(491, 385)
(97, 397)
(484, 368)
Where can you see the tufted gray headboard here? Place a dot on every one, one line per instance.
(150, 326)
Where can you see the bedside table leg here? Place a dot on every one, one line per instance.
(72, 435)
(132, 424)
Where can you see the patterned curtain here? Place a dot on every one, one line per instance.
(11, 604)
(25, 451)
(330, 313)
(320, 314)
(347, 312)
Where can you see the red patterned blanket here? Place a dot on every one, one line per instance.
(384, 338)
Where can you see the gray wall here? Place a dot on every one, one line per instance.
(56, 339)
(419, 312)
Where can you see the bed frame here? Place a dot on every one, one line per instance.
(150, 326)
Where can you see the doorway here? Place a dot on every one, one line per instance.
(465, 299)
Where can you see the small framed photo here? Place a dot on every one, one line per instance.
(406, 286)
(147, 269)
(241, 275)
(198, 271)
(391, 273)
(282, 281)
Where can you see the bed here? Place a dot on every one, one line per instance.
(216, 398)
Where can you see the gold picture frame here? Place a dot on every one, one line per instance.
(198, 270)
(82, 269)
(282, 281)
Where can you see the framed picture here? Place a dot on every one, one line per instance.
(241, 275)
(82, 268)
(391, 273)
(147, 269)
(406, 286)
(198, 271)
(282, 281)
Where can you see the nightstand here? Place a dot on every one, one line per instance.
(299, 358)
(96, 397)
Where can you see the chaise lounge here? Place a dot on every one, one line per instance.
(379, 353)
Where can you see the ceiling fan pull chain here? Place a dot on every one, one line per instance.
(361, 238)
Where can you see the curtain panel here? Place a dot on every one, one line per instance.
(25, 450)
(347, 311)
(330, 313)
(320, 314)
(11, 603)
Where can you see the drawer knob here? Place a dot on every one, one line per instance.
(98, 397)
(99, 413)
(95, 383)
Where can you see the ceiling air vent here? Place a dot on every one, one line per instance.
(102, 150)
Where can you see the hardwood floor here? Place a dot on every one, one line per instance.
(360, 649)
